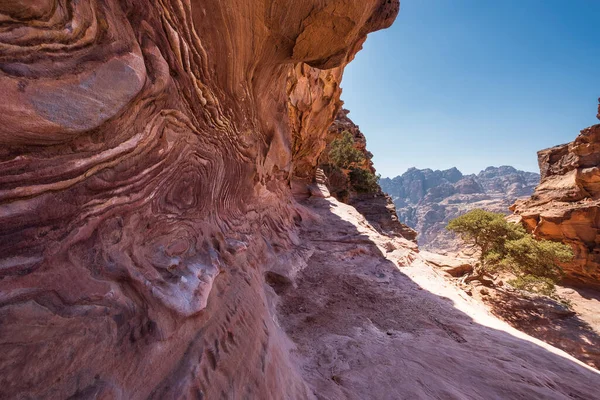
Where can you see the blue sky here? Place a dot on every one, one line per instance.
(474, 83)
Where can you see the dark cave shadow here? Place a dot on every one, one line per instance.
(350, 288)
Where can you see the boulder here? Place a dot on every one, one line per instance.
(453, 266)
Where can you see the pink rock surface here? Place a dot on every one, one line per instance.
(374, 324)
(147, 224)
(146, 150)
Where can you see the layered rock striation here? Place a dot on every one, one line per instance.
(427, 200)
(566, 205)
(147, 151)
(149, 235)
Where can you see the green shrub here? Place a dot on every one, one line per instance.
(364, 181)
(538, 258)
(507, 247)
(342, 152)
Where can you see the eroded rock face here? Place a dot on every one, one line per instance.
(566, 205)
(146, 153)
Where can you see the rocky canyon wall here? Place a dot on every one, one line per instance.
(147, 150)
(566, 205)
(358, 184)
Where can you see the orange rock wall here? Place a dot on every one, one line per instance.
(566, 205)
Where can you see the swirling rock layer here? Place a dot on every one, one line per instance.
(146, 155)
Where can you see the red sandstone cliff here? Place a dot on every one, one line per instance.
(146, 153)
(148, 231)
(566, 205)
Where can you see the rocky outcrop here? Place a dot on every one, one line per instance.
(147, 151)
(149, 236)
(358, 186)
(452, 266)
(566, 205)
(427, 200)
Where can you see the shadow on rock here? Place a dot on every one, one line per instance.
(550, 321)
(364, 329)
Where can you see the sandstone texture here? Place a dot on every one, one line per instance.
(572, 327)
(370, 319)
(163, 234)
(566, 205)
(147, 150)
(453, 266)
(427, 200)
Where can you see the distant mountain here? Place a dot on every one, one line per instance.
(426, 199)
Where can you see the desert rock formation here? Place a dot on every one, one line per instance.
(146, 155)
(566, 205)
(427, 200)
(371, 202)
(149, 236)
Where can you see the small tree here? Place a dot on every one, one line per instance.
(364, 181)
(487, 231)
(535, 263)
(504, 246)
(347, 159)
(342, 152)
